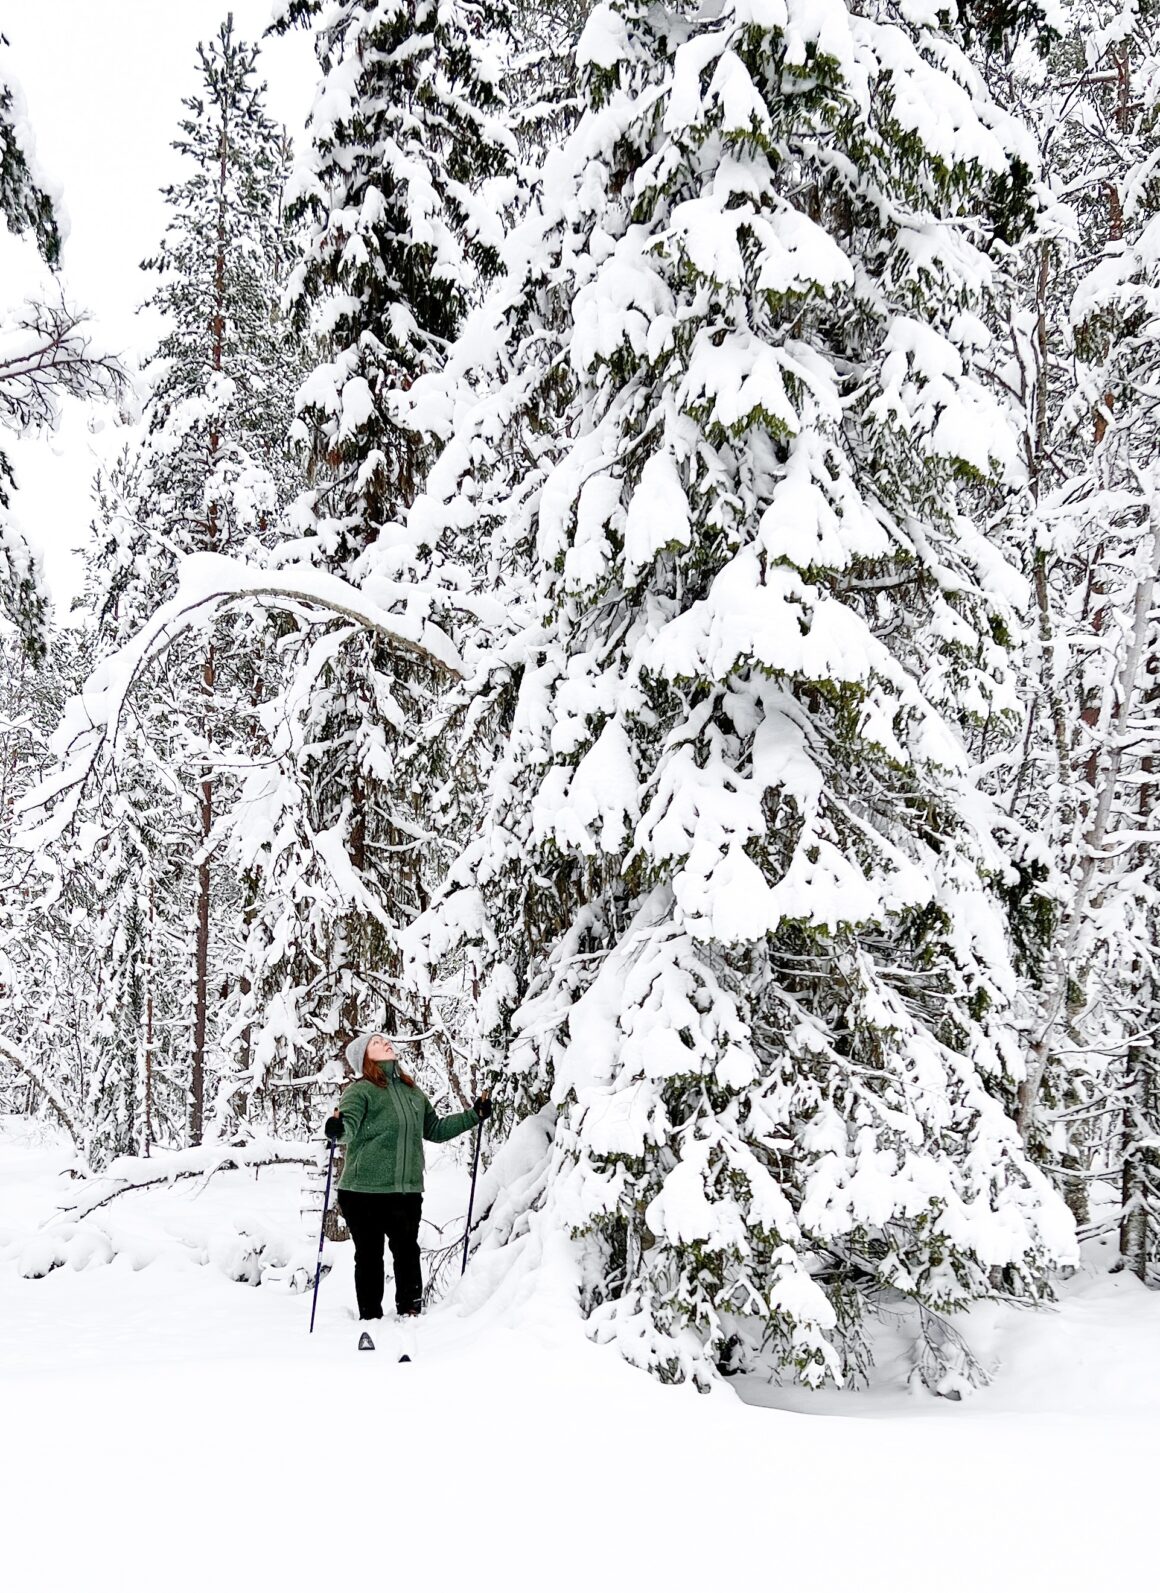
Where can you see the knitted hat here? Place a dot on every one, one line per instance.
(357, 1049)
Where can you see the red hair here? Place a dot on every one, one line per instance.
(374, 1072)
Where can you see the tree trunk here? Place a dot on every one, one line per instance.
(201, 957)
(1139, 1182)
(147, 1131)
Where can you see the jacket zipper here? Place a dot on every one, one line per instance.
(400, 1108)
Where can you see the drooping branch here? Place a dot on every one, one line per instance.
(11, 1054)
(208, 583)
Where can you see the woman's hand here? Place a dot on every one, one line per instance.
(482, 1107)
(332, 1128)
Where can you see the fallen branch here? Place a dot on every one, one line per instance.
(235, 1160)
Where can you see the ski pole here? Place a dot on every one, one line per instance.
(322, 1231)
(471, 1198)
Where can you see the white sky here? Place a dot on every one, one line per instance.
(104, 80)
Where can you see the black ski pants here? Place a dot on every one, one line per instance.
(371, 1220)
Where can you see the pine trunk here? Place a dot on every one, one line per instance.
(201, 973)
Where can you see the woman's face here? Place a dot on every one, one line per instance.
(380, 1049)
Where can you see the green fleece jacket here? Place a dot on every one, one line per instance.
(383, 1128)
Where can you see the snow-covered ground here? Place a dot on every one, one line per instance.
(164, 1427)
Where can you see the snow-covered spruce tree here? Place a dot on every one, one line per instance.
(737, 896)
(46, 350)
(211, 473)
(404, 132)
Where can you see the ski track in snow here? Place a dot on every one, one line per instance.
(168, 1428)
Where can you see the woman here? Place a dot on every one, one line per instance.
(384, 1118)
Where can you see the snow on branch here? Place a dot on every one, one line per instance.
(211, 580)
(129, 1173)
(207, 583)
(48, 352)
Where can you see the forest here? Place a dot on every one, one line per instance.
(632, 568)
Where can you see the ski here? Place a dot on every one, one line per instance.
(406, 1340)
(365, 1342)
